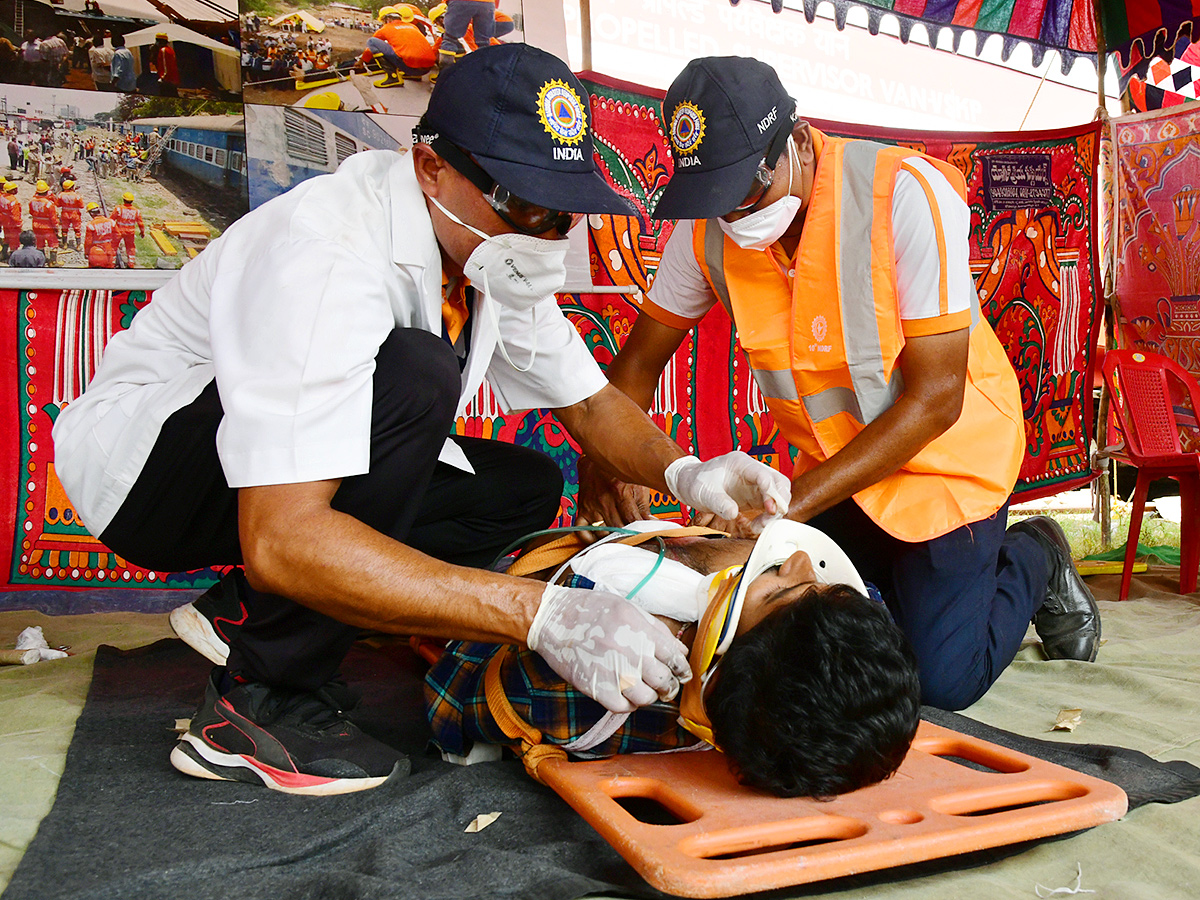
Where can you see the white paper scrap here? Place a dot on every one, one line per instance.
(480, 822)
(1064, 890)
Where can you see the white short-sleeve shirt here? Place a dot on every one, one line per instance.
(680, 295)
(287, 310)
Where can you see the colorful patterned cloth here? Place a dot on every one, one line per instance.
(1068, 26)
(1156, 234)
(1157, 83)
(53, 341)
(458, 712)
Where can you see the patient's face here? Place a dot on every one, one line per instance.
(777, 587)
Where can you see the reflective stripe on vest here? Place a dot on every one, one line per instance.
(773, 384)
(872, 391)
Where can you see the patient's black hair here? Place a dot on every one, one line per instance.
(820, 698)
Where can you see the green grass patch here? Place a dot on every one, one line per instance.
(1084, 533)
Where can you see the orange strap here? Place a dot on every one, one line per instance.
(454, 306)
(559, 550)
(533, 751)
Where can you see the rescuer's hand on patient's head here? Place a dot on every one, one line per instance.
(728, 484)
(747, 524)
(602, 498)
(608, 648)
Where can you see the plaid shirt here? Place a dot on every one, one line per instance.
(458, 710)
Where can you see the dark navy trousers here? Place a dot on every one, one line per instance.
(964, 600)
(181, 514)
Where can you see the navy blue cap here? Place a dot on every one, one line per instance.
(523, 117)
(721, 113)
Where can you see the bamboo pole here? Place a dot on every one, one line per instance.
(585, 33)
(1107, 479)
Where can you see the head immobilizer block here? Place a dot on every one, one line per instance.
(716, 838)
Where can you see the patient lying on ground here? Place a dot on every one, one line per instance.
(802, 680)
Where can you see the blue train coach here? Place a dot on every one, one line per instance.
(209, 148)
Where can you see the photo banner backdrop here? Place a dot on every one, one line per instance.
(170, 174)
(1157, 178)
(342, 57)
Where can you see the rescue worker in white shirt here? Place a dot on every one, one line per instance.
(844, 265)
(285, 403)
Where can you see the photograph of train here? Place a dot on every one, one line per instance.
(288, 144)
(102, 180)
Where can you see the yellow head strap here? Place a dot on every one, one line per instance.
(713, 637)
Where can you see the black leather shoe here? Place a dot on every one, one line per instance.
(1069, 621)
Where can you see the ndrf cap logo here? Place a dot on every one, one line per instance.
(687, 127)
(561, 111)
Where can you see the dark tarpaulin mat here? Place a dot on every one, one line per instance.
(127, 825)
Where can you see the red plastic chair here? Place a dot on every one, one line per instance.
(1139, 383)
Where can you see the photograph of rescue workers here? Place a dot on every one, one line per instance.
(91, 180)
(188, 48)
(377, 56)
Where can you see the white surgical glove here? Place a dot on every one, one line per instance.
(608, 648)
(729, 483)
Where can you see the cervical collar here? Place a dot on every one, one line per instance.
(727, 595)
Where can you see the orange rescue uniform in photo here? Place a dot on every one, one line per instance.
(71, 206)
(10, 219)
(128, 217)
(100, 243)
(43, 212)
(408, 42)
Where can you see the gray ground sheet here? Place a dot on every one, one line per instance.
(127, 825)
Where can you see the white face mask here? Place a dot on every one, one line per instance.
(765, 226)
(517, 271)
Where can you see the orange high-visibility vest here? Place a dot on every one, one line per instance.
(824, 351)
(70, 203)
(43, 212)
(99, 242)
(127, 218)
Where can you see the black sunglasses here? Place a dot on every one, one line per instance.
(526, 217)
(764, 175)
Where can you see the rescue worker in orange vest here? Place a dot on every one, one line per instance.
(844, 265)
(100, 239)
(10, 217)
(43, 213)
(70, 207)
(128, 217)
(401, 47)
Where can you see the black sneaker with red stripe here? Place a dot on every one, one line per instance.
(291, 741)
(209, 623)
